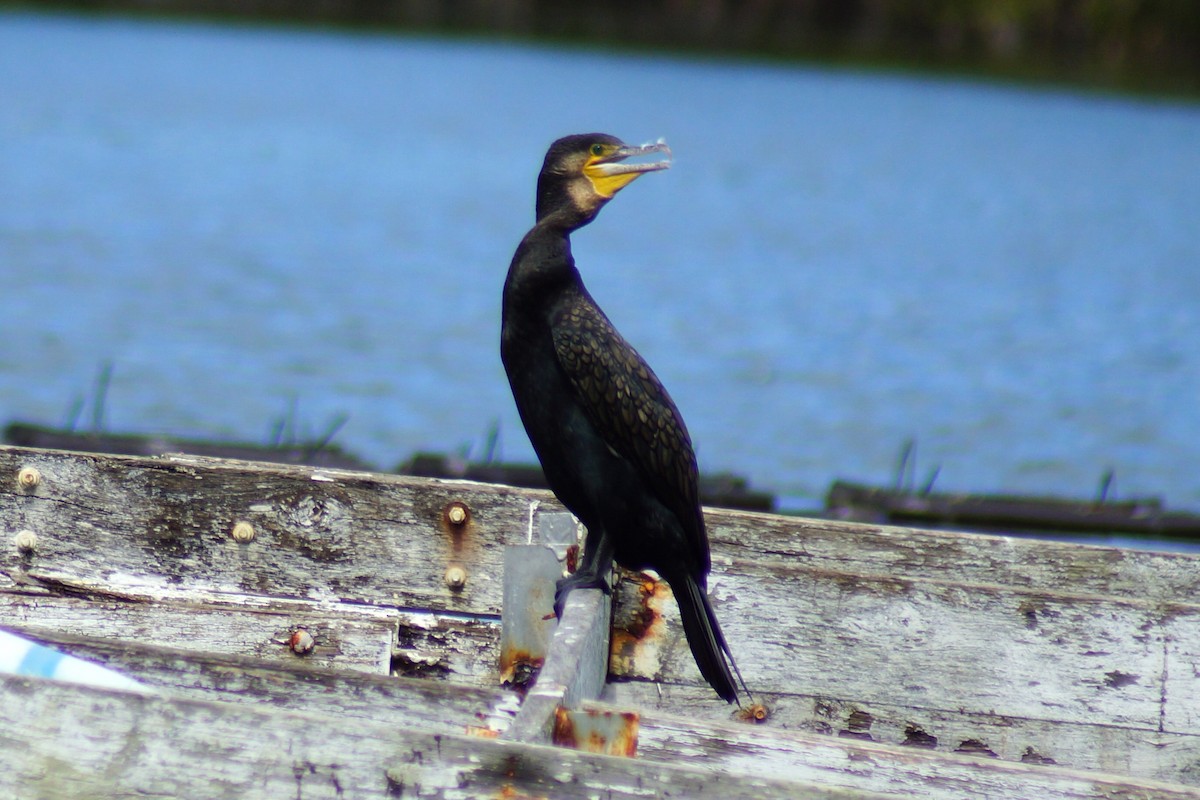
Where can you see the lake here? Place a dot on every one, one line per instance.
(252, 223)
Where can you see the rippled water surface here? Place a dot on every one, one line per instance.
(243, 219)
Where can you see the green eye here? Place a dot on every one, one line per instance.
(597, 149)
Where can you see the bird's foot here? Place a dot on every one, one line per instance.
(579, 580)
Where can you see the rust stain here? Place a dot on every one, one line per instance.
(639, 632)
(518, 668)
(457, 522)
(612, 733)
(301, 642)
(564, 730)
(510, 792)
(482, 732)
(756, 713)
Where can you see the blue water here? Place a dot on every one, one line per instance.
(243, 219)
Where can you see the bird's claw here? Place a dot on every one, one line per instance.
(577, 581)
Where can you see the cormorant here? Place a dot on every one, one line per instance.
(611, 441)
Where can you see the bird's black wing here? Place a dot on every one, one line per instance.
(627, 404)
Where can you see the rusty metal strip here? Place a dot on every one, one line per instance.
(575, 667)
(594, 730)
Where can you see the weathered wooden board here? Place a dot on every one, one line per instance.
(460, 649)
(1029, 650)
(1170, 757)
(436, 706)
(935, 645)
(903, 771)
(1091, 682)
(62, 742)
(338, 694)
(329, 534)
(1015, 562)
(362, 638)
(317, 534)
(1146, 752)
(345, 640)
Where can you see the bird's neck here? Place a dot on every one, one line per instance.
(543, 267)
(565, 217)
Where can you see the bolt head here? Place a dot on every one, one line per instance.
(455, 577)
(29, 477)
(301, 642)
(25, 541)
(457, 513)
(243, 532)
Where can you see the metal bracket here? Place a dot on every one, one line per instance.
(572, 654)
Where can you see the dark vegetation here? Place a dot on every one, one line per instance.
(1139, 45)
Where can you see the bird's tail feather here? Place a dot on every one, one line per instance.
(706, 640)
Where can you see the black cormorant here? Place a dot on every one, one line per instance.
(611, 442)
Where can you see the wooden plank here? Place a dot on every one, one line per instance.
(61, 742)
(384, 539)
(446, 647)
(867, 766)
(361, 638)
(1015, 562)
(1038, 655)
(342, 640)
(1013, 672)
(169, 522)
(403, 703)
(1111, 749)
(317, 533)
(861, 629)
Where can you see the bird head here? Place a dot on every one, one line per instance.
(583, 172)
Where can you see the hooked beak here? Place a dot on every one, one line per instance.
(611, 171)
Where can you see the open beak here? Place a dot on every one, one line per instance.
(612, 171)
